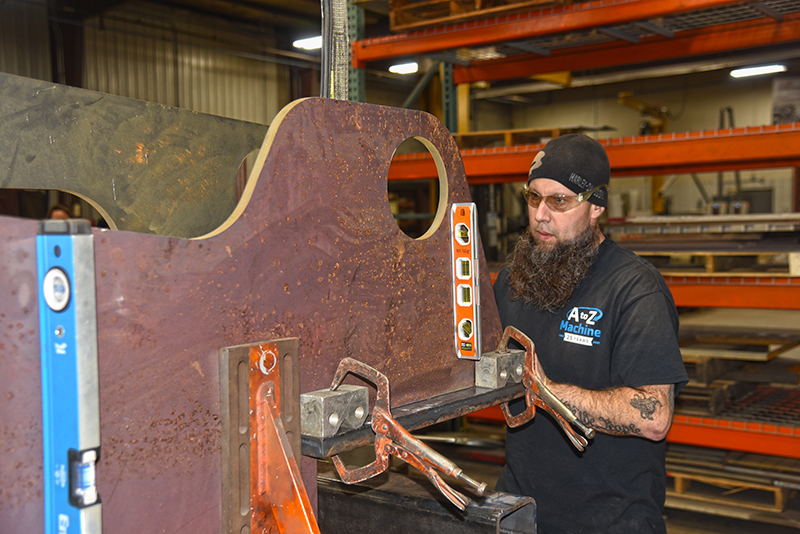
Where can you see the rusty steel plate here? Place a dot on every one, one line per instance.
(146, 167)
(312, 251)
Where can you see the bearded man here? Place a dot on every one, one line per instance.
(605, 326)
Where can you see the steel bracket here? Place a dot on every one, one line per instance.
(261, 440)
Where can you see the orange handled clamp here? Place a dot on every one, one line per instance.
(391, 438)
(537, 394)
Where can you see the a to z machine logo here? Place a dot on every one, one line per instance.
(580, 326)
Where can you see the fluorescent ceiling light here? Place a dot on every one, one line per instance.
(405, 68)
(755, 71)
(312, 43)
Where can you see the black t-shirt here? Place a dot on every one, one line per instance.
(619, 328)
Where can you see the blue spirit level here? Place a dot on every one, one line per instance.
(70, 397)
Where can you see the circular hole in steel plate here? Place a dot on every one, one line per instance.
(418, 203)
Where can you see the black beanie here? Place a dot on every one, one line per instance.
(576, 161)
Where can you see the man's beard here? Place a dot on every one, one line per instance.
(547, 277)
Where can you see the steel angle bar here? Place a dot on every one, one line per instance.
(655, 28)
(262, 488)
(414, 416)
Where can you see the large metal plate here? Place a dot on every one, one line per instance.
(312, 252)
(147, 167)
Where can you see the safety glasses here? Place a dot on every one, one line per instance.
(559, 203)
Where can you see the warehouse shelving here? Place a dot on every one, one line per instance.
(594, 35)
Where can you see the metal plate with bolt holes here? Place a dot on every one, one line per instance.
(240, 376)
(323, 413)
(498, 369)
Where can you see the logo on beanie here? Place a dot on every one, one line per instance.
(578, 180)
(584, 184)
(537, 161)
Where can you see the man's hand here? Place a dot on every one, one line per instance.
(645, 411)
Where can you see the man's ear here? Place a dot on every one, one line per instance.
(596, 211)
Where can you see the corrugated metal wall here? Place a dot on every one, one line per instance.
(135, 53)
(24, 41)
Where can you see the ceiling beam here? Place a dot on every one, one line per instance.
(710, 40)
(572, 18)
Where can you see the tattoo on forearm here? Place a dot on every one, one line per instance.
(622, 430)
(647, 406)
(582, 416)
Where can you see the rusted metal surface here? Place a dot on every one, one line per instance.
(313, 254)
(149, 168)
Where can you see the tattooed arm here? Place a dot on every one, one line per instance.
(645, 411)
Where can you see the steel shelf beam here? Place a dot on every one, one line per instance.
(571, 18)
(710, 40)
(720, 291)
(763, 147)
(759, 438)
(753, 437)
